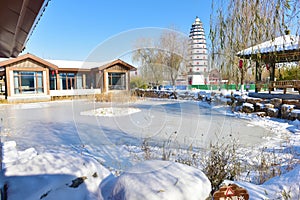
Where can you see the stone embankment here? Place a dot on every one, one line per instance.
(279, 107)
(274, 107)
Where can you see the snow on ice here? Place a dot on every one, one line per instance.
(111, 112)
(65, 174)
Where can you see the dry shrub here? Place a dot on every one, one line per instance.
(115, 96)
(221, 163)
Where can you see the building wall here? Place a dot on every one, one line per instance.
(26, 66)
(115, 69)
(37, 84)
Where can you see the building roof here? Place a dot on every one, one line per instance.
(17, 20)
(118, 61)
(282, 43)
(86, 65)
(76, 64)
(6, 61)
(67, 65)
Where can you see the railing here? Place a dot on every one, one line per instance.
(284, 85)
(75, 92)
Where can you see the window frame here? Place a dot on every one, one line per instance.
(20, 76)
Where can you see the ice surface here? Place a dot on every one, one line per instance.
(49, 145)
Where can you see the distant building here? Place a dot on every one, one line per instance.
(214, 77)
(198, 65)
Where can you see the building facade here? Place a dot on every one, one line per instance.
(31, 77)
(198, 65)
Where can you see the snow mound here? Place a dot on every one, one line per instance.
(158, 180)
(61, 174)
(285, 186)
(111, 112)
(12, 156)
(296, 123)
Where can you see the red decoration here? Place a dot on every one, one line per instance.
(52, 72)
(267, 66)
(56, 71)
(241, 64)
(190, 81)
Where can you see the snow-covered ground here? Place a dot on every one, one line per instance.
(78, 149)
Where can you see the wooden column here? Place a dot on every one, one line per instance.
(45, 74)
(84, 81)
(105, 85)
(57, 82)
(6, 80)
(257, 76)
(272, 71)
(8, 83)
(127, 80)
(272, 75)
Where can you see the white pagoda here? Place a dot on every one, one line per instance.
(198, 65)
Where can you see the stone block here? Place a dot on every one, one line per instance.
(261, 114)
(286, 110)
(240, 100)
(295, 114)
(290, 101)
(253, 100)
(273, 112)
(259, 107)
(267, 106)
(276, 102)
(248, 107)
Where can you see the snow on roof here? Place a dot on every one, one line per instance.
(71, 64)
(282, 43)
(77, 64)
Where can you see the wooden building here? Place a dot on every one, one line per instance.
(30, 77)
(281, 49)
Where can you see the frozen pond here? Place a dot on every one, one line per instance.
(49, 125)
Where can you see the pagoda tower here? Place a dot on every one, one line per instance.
(198, 64)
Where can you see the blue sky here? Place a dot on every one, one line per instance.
(71, 30)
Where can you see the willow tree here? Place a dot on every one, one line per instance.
(238, 24)
(163, 59)
(146, 57)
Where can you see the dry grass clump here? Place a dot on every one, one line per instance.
(115, 96)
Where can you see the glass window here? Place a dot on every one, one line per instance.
(63, 77)
(79, 81)
(117, 81)
(67, 80)
(28, 82)
(16, 83)
(52, 76)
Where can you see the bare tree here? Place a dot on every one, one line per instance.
(164, 59)
(174, 54)
(146, 55)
